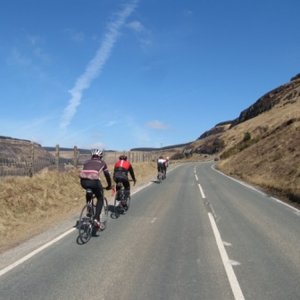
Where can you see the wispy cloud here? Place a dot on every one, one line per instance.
(155, 124)
(111, 123)
(136, 26)
(76, 36)
(95, 66)
(143, 34)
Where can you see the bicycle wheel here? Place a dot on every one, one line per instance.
(85, 226)
(116, 209)
(104, 212)
(127, 206)
(159, 177)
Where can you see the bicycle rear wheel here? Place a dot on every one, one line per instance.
(159, 177)
(104, 212)
(127, 206)
(116, 209)
(86, 226)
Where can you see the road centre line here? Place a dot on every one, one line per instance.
(196, 177)
(201, 191)
(234, 284)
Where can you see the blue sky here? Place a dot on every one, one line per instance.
(138, 73)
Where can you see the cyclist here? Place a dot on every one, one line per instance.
(161, 166)
(167, 162)
(89, 178)
(121, 169)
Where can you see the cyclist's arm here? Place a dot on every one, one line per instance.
(107, 177)
(132, 173)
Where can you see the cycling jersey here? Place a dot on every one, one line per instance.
(121, 169)
(92, 168)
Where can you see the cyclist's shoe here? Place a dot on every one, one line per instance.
(97, 224)
(102, 226)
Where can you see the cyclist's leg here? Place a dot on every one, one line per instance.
(98, 191)
(126, 185)
(85, 183)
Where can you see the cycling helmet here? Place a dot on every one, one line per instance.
(123, 157)
(97, 152)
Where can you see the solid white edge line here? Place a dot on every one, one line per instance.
(234, 284)
(258, 191)
(36, 251)
(201, 191)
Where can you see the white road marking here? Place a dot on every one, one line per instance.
(235, 286)
(227, 244)
(196, 177)
(36, 251)
(258, 191)
(234, 262)
(201, 191)
(153, 220)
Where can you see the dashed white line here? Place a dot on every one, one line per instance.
(201, 191)
(234, 284)
(196, 177)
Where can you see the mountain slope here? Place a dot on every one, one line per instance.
(262, 146)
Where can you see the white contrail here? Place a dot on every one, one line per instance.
(95, 66)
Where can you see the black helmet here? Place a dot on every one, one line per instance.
(123, 157)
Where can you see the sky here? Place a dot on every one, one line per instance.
(121, 74)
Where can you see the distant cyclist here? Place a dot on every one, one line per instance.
(161, 166)
(89, 178)
(121, 169)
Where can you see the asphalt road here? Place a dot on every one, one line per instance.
(198, 235)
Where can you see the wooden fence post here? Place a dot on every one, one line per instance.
(75, 159)
(31, 160)
(57, 156)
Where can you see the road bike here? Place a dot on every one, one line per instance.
(161, 175)
(121, 201)
(86, 224)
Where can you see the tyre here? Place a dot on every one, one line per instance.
(85, 226)
(116, 212)
(159, 177)
(127, 203)
(104, 212)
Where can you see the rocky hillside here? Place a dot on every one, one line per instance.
(262, 145)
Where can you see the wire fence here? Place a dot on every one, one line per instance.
(33, 161)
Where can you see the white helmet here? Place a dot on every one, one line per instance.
(97, 152)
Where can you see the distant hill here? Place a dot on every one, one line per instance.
(170, 147)
(262, 145)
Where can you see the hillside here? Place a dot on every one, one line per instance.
(262, 145)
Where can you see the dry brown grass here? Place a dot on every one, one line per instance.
(265, 150)
(29, 205)
(272, 160)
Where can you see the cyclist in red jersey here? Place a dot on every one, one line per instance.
(121, 169)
